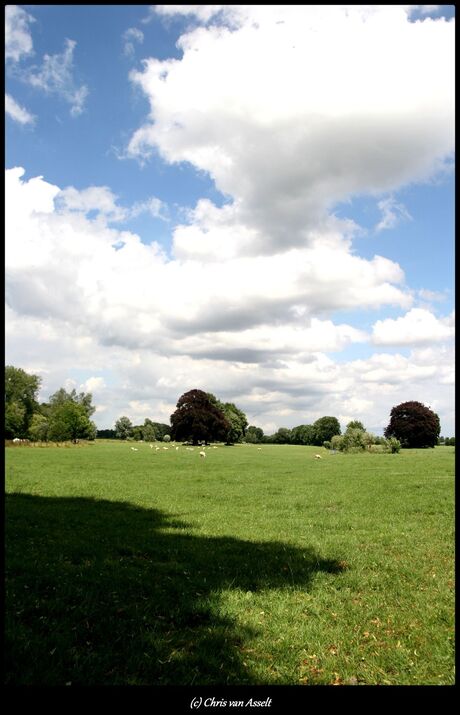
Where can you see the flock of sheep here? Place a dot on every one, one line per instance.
(202, 453)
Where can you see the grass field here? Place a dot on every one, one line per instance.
(261, 567)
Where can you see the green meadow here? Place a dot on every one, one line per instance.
(248, 567)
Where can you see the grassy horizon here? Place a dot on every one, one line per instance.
(251, 566)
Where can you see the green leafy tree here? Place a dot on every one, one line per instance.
(69, 421)
(198, 419)
(235, 417)
(38, 430)
(83, 399)
(414, 425)
(303, 434)
(123, 428)
(254, 435)
(282, 436)
(148, 431)
(161, 430)
(20, 401)
(355, 424)
(325, 428)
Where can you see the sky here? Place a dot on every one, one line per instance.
(252, 200)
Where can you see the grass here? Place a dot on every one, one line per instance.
(249, 567)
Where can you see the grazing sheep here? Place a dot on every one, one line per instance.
(151, 446)
(134, 449)
(165, 447)
(156, 449)
(318, 456)
(177, 448)
(202, 454)
(259, 448)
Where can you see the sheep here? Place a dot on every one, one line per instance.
(134, 449)
(151, 446)
(318, 456)
(165, 447)
(156, 449)
(202, 454)
(177, 448)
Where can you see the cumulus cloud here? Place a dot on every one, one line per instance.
(336, 129)
(16, 112)
(18, 40)
(55, 76)
(419, 326)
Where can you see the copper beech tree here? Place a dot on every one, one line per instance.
(414, 425)
(196, 419)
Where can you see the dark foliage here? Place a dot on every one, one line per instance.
(414, 425)
(197, 419)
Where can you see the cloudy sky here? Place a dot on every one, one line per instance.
(252, 200)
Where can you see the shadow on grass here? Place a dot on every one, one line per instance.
(106, 593)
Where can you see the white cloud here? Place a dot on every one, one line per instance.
(18, 40)
(336, 129)
(101, 200)
(419, 326)
(392, 213)
(55, 76)
(129, 37)
(16, 112)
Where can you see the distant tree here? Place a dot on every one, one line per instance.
(235, 417)
(198, 419)
(325, 428)
(282, 436)
(20, 401)
(414, 425)
(106, 434)
(254, 435)
(137, 432)
(355, 424)
(303, 434)
(148, 431)
(161, 430)
(123, 428)
(69, 421)
(167, 438)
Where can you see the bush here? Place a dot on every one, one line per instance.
(167, 438)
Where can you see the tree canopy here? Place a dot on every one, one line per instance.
(197, 419)
(414, 425)
(20, 401)
(325, 428)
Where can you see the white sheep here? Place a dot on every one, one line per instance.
(318, 456)
(202, 454)
(134, 449)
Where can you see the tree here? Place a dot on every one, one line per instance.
(198, 419)
(414, 425)
(83, 399)
(69, 421)
(20, 401)
(254, 435)
(38, 430)
(324, 429)
(235, 417)
(123, 428)
(303, 434)
(148, 431)
(283, 436)
(355, 424)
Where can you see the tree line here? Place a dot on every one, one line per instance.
(200, 418)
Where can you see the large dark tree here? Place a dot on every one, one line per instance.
(197, 419)
(414, 425)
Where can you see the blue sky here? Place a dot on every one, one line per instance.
(229, 198)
